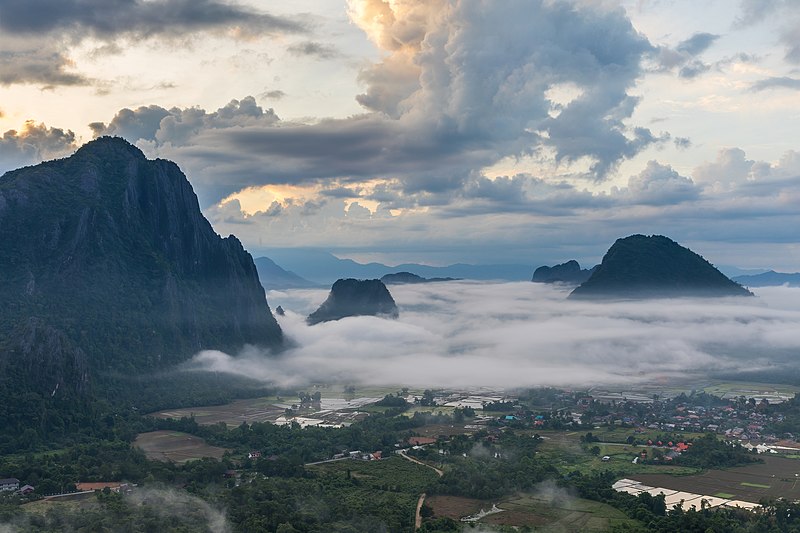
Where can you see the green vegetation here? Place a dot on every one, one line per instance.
(754, 485)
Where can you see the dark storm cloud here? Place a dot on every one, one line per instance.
(784, 82)
(111, 18)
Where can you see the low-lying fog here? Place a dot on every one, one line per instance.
(524, 334)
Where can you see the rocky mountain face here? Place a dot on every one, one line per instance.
(642, 266)
(108, 266)
(353, 297)
(569, 272)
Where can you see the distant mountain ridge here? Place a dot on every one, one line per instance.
(273, 276)
(642, 266)
(407, 278)
(109, 267)
(770, 279)
(569, 272)
(325, 268)
(354, 297)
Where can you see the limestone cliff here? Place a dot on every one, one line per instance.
(109, 254)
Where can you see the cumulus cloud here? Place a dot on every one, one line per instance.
(523, 334)
(449, 96)
(32, 144)
(661, 185)
(731, 166)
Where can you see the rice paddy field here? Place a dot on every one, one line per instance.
(775, 478)
(175, 446)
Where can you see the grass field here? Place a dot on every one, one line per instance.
(565, 453)
(394, 473)
(175, 446)
(547, 510)
(44, 506)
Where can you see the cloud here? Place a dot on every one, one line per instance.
(697, 43)
(685, 57)
(784, 82)
(312, 48)
(449, 96)
(786, 12)
(661, 185)
(523, 334)
(273, 94)
(32, 144)
(36, 35)
(754, 11)
(731, 167)
(43, 66)
(141, 18)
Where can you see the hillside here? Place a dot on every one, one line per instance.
(642, 266)
(110, 269)
(353, 297)
(569, 272)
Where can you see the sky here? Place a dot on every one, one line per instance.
(475, 334)
(436, 131)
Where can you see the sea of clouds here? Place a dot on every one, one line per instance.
(472, 334)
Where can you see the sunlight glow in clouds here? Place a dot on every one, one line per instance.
(523, 334)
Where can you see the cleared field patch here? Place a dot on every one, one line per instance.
(725, 495)
(232, 414)
(774, 478)
(175, 446)
(394, 474)
(542, 511)
(44, 506)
